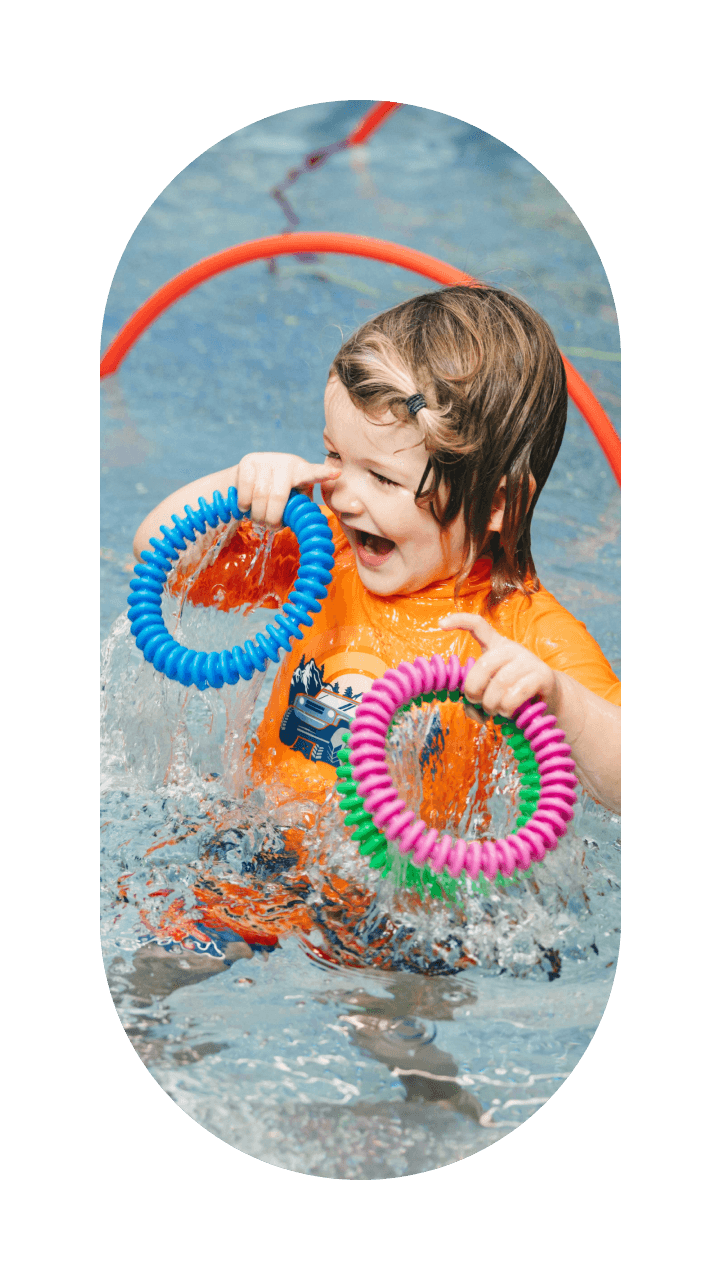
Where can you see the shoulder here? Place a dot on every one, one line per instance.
(548, 629)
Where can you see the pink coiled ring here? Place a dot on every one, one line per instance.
(378, 813)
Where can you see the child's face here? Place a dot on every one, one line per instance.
(399, 548)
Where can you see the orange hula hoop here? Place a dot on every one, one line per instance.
(371, 122)
(357, 246)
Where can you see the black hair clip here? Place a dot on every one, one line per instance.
(416, 402)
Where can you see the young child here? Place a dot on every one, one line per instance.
(444, 416)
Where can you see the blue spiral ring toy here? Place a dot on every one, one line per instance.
(190, 666)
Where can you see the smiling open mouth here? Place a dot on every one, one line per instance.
(373, 551)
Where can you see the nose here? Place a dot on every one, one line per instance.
(342, 498)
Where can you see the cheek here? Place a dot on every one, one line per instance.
(413, 542)
(414, 526)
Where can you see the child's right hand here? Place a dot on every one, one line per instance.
(264, 481)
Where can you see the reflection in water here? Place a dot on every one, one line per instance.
(238, 953)
(388, 1028)
(391, 1031)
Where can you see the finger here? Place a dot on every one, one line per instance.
(479, 627)
(475, 713)
(305, 479)
(482, 673)
(501, 696)
(519, 693)
(492, 697)
(311, 475)
(245, 484)
(259, 501)
(275, 509)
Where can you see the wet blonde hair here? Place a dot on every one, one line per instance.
(494, 384)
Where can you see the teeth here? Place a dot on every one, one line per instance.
(373, 539)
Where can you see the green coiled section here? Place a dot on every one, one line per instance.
(373, 845)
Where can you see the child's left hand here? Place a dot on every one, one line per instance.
(506, 674)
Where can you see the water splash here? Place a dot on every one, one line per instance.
(373, 1006)
(181, 813)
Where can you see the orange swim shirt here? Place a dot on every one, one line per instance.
(357, 636)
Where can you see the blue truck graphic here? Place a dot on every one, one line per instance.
(315, 724)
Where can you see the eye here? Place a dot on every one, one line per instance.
(335, 456)
(384, 480)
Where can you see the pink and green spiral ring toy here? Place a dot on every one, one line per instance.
(374, 808)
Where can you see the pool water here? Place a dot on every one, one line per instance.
(471, 1013)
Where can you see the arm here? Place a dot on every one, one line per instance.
(507, 674)
(263, 482)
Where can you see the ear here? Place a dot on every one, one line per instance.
(497, 512)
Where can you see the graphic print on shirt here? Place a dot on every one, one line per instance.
(319, 713)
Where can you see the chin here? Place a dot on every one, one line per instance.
(379, 583)
(375, 583)
(382, 585)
